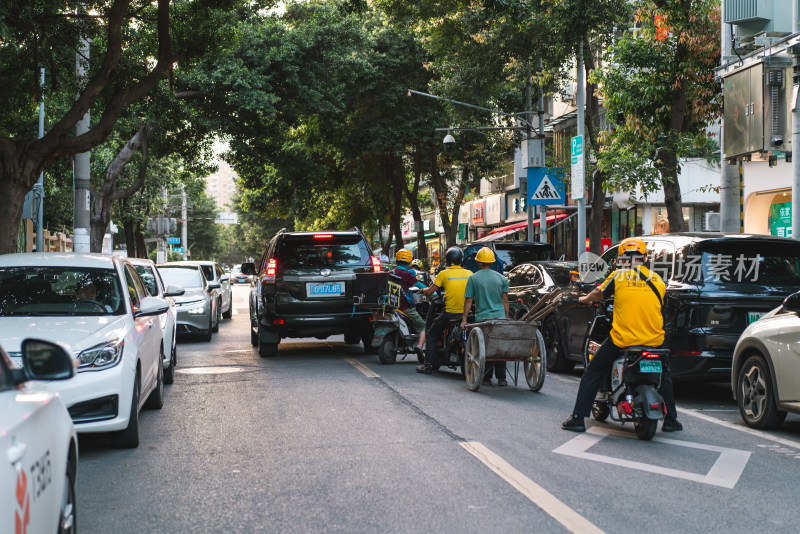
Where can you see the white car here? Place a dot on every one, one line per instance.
(155, 287)
(765, 372)
(38, 443)
(98, 305)
(214, 273)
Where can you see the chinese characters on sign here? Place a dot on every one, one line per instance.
(716, 268)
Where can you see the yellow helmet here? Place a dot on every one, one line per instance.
(632, 246)
(417, 264)
(485, 255)
(576, 273)
(403, 255)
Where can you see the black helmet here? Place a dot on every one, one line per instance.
(453, 256)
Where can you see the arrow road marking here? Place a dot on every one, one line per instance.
(569, 518)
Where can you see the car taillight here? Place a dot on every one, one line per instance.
(278, 321)
(323, 236)
(376, 264)
(269, 275)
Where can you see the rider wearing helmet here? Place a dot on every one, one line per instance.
(408, 279)
(489, 290)
(638, 320)
(453, 280)
(417, 264)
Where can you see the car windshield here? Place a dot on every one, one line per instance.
(318, 253)
(559, 274)
(186, 277)
(149, 279)
(730, 264)
(513, 256)
(70, 291)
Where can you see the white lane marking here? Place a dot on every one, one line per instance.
(569, 518)
(741, 428)
(725, 472)
(369, 373)
(209, 370)
(238, 350)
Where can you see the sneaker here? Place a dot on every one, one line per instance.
(502, 382)
(671, 425)
(574, 424)
(425, 369)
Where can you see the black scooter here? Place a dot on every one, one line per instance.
(630, 392)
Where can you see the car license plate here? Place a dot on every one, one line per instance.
(649, 367)
(327, 289)
(16, 361)
(754, 316)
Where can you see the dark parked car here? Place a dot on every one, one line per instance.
(509, 254)
(529, 282)
(306, 284)
(716, 285)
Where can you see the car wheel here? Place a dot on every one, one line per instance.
(217, 316)
(554, 356)
(129, 438)
(228, 314)
(253, 336)
(206, 336)
(169, 372)
(756, 397)
(266, 350)
(68, 518)
(156, 399)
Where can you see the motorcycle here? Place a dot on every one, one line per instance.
(629, 393)
(392, 328)
(452, 344)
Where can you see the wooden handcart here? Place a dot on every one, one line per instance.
(500, 340)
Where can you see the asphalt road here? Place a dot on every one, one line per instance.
(322, 438)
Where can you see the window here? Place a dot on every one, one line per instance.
(186, 277)
(148, 278)
(308, 253)
(661, 255)
(136, 289)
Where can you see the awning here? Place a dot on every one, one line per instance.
(494, 237)
(524, 224)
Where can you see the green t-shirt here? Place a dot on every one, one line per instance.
(487, 288)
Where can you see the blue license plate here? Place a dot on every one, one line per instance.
(327, 289)
(649, 367)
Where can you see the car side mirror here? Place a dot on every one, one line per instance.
(224, 278)
(43, 360)
(248, 268)
(214, 285)
(152, 306)
(792, 302)
(174, 291)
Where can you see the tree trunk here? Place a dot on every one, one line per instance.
(448, 216)
(18, 175)
(141, 246)
(668, 167)
(412, 195)
(130, 242)
(592, 122)
(103, 200)
(596, 215)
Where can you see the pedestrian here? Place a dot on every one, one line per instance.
(488, 289)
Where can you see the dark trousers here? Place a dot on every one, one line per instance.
(435, 329)
(600, 367)
(499, 369)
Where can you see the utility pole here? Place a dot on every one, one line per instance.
(729, 169)
(162, 228)
(580, 179)
(83, 197)
(38, 195)
(184, 226)
(529, 117)
(543, 213)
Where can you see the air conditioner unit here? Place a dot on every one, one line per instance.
(713, 222)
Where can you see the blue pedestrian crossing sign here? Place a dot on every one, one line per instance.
(545, 186)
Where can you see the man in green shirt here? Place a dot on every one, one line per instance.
(489, 290)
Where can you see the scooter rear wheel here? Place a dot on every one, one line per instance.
(600, 411)
(645, 428)
(386, 351)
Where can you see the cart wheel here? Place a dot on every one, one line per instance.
(475, 359)
(535, 365)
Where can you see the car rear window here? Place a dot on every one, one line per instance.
(309, 252)
(515, 255)
(729, 264)
(186, 277)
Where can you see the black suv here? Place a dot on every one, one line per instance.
(717, 284)
(308, 284)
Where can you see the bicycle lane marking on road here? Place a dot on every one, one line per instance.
(740, 428)
(369, 373)
(569, 518)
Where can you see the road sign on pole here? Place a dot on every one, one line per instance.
(173, 240)
(545, 186)
(577, 170)
(179, 250)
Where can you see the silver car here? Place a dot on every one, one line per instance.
(214, 273)
(197, 310)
